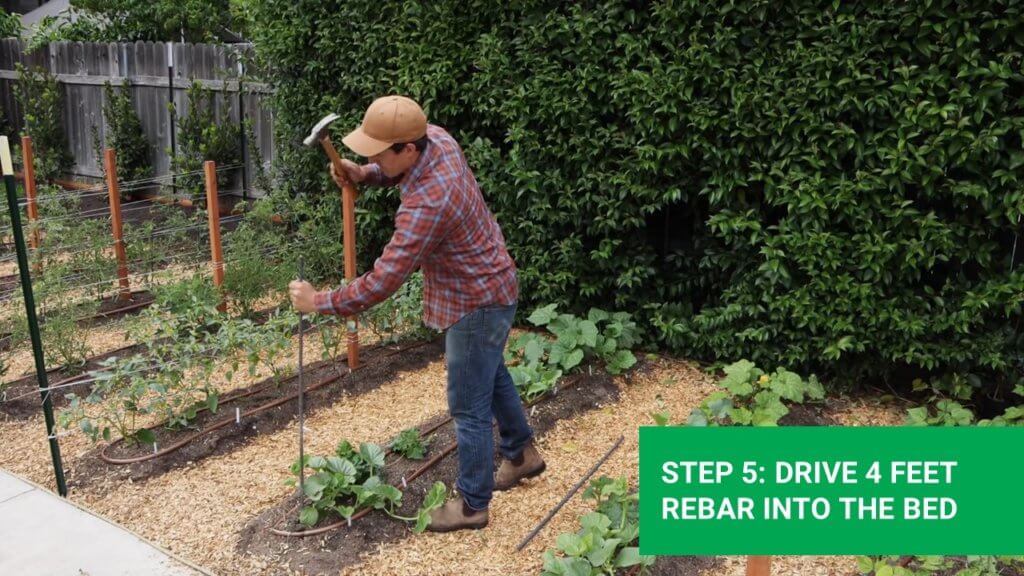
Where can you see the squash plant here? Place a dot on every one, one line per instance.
(606, 541)
(350, 480)
(537, 362)
(751, 397)
(950, 404)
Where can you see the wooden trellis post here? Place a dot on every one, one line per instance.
(348, 208)
(29, 174)
(213, 215)
(759, 565)
(110, 164)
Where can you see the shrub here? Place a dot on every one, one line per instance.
(827, 186)
(124, 134)
(41, 98)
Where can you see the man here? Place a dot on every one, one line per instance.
(469, 289)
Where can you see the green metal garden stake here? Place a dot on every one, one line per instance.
(30, 311)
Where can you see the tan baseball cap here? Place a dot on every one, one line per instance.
(389, 120)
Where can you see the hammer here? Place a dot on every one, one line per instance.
(320, 133)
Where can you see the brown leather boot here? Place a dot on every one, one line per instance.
(457, 515)
(527, 465)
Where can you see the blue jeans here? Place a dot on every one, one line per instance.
(480, 386)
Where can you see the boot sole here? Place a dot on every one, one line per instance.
(533, 474)
(457, 528)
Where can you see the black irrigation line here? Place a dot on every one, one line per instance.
(251, 412)
(571, 382)
(83, 378)
(87, 378)
(572, 491)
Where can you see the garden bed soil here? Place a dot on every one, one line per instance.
(330, 552)
(380, 366)
(808, 415)
(110, 308)
(21, 400)
(682, 565)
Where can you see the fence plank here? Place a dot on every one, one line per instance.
(83, 69)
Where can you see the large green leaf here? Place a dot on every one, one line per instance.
(309, 516)
(372, 453)
(588, 333)
(542, 316)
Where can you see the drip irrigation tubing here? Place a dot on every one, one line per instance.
(228, 421)
(570, 383)
(104, 314)
(88, 378)
(83, 376)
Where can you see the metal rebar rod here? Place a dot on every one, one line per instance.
(566, 498)
(302, 419)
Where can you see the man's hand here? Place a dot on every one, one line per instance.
(353, 172)
(303, 295)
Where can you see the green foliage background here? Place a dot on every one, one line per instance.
(10, 24)
(821, 185)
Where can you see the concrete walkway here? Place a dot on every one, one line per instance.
(43, 534)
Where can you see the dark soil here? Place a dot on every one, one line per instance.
(330, 552)
(807, 415)
(960, 562)
(20, 399)
(683, 565)
(380, 366)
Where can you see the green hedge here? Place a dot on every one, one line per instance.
(834, 186)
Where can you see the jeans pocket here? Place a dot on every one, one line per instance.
(497, 322)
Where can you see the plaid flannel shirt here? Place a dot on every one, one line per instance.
(444, 227)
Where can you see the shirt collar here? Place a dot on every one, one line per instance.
(426, 159)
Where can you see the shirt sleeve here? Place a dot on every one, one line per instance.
(374, 177)
(418, 230)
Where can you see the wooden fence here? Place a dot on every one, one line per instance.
(156, 73)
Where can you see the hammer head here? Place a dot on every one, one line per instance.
(319, 130)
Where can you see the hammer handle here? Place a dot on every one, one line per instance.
(332, 154)
(348, 210)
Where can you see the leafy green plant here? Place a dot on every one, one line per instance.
(927, 565)
(253, 270)
(606, 540)
(608, 336)
(163, 240)
(172, 379)
(844, 205)
(349, 481)
(537, 362)
(751, 397)
(96, 416)
(124, 134)
(157, 20)
(400, 317)
(202, 138)
(435, 499)
(344, 484)
(40, 97)
(534, 380)
(409, 444)
(10, 24)
(1013, 416)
